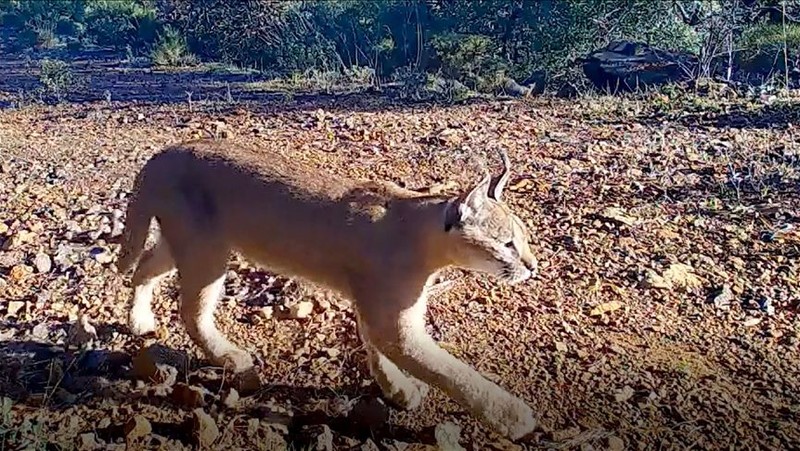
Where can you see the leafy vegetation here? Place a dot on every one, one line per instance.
(171, 50)
(122, 24)
(56, 77)
(478, 43)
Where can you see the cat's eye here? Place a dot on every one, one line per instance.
(510, 244)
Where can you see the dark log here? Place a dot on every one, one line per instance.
(625, 66)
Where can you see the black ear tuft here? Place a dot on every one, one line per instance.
(452, 215)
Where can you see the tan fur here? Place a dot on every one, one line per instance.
(375, 243)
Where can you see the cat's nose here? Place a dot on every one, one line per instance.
(533, 265)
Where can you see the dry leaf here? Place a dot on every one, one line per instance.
(605, 307)
(750, 322)
(618, 215)
(522, 185)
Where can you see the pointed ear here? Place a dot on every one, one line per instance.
(462, 207)
(498, 184)
(476, 198)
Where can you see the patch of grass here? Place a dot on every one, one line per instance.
(360, 75)
(45, 32)
(171, 50)
(228, 69)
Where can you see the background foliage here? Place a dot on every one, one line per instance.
(477, 42)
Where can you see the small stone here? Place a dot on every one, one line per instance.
(349, 442)
(101, 255)
(265, 434)
(88, 441)
(136, 427)
(370, 413)
(653, 280)
(369, 445)
(682, 276)
(722, 299)
(63, 396)
(301, 310)
(81, 332)
(18, 239)
(247, 382)
(253, 425)
(319, 437)
(20, 272)
(3, 228)
(231, 399)
(159, 364)
(447, 435)
(624, 394)
(117, 228)
(41, 331)
(14, 307)
(266, 312)
(750, 322)
(204, 429)
(615, 444)
(188, 396)
(43, 263)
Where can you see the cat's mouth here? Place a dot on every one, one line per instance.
(514, 276)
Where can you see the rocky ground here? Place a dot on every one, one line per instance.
(664, 316)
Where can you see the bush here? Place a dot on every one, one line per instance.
(171, 50)
(56, 77)
(763, 49)
(122, 23)
(360, 75)
(282, 37)
(471, 59)
(41, 22)
(480, 44)
(45, 32)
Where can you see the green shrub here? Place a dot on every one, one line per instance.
(46, 18)
(276, 36)
(471, 59)
(122, 23)
(771, 37)
(763, 47)
(170, 50)
(360, 75)
(56, 77)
